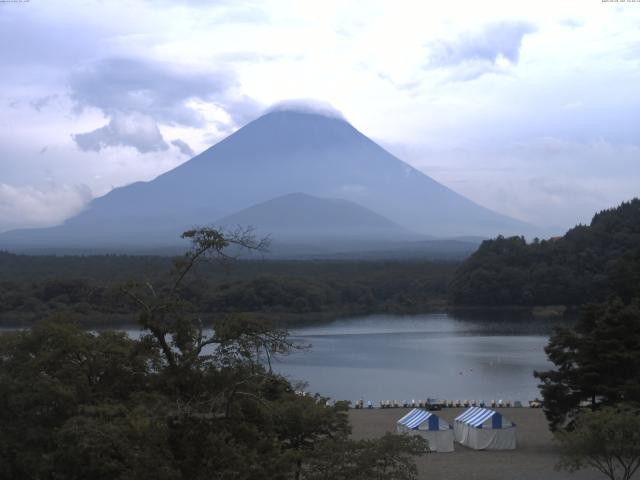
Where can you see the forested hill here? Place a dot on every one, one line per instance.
(89, 288)
(587, 264)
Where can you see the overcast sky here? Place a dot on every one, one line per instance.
(530, 108)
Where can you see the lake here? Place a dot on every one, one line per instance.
(393, 357)
(390, 357)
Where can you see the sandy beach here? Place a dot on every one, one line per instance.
(534, 458)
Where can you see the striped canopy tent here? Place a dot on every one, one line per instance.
(484, 429)
(428, 425)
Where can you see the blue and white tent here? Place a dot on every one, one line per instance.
(484, 429)
(428, 425)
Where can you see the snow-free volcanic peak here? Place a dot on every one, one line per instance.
(295, 147)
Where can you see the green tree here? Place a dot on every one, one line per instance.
(180, 402)
(597, 362)
(48, 376)
(388, 457)
(607, 439)
(587, 264)
(303, 421)
(111, 441)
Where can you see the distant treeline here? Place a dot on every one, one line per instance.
(588, 264)
(89, 288)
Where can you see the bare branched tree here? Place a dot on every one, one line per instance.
(178, 330)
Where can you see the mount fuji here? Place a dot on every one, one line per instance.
(344, 185)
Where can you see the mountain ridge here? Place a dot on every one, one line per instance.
(305, 216)
(281, 152)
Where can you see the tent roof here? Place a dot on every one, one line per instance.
(415, 418)
(475, 416)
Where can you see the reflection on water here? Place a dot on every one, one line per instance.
(384, 357)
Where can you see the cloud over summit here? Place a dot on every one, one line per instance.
(307, 105)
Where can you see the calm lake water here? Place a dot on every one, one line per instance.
(388, 357)
(391, 357)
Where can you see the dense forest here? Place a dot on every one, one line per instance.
(176, 403)
(90, 288)
(588, 264)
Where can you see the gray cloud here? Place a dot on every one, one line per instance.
(130, 90)
(476, 53)
(156, 89)
(39, 103)
(184, 147)
(133, 129)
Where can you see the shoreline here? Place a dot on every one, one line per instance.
(290, 319)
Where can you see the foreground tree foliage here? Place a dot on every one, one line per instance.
(387, 457)
(597, 362)
(180, 402)
(607, 439)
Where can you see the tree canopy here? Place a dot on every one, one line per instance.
(607, 440)
(180, 402)
(284, 291)
(597, 362)
(587, 264)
